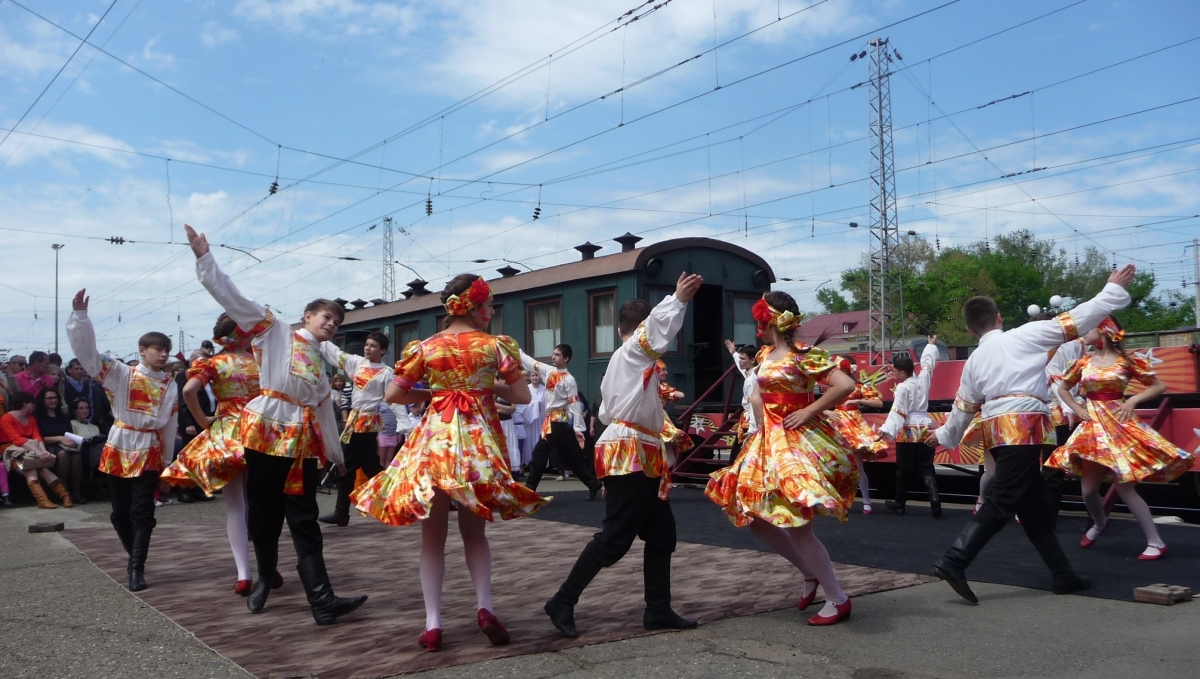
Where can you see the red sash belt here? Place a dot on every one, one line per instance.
(790, 398)
(1106, 396)
(638, 428)
(449, 402)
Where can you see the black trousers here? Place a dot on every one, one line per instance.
(562, 441)
(132, 504)
(913, 460)
(361, 453)
(268, 506)
(632, 510)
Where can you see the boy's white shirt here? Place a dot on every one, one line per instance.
(910, 400)
(1057, 367)
(363, 400)
(564, 395)
(1014, 362)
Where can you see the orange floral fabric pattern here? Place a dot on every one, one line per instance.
(855, 433)
(459, 446)
(1131, 450)
(216, 456)
(788, 476)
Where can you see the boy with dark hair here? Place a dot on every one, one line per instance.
(631, 460)
(142, 437)
(1005, 379)
(368, 380)
(286, 432)
(564, 426)
(908, 423)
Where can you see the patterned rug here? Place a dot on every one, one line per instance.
(191, 576)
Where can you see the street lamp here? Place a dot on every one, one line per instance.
(56, 247)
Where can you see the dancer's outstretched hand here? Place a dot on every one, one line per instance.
(687, 286)
(197, 240)
(1124, 276)
(80, 303)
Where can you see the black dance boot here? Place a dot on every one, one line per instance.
(895, 506)
(125, 534)
(326, 607)
(935, 502)
(656, 572)
(139, 548)
(952, 567)
(561, 606)
(267, 556)
(1046, 543)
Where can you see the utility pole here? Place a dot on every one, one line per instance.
(389, 271)
(1196, 277)
(56, 247)
(886, 305)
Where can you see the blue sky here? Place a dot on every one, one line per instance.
(259, 88)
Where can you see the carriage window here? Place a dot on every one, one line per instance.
(405, 333)
(603, 322)
(545, 327)
(745, 330)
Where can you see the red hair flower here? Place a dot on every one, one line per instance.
(475, 296)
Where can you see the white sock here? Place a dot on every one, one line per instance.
(817, 558)
(777, 539)
(479, 555)
(235, 524)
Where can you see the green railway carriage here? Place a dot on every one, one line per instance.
(576, 303)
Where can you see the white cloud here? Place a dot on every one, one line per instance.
(25, 148)
(45, 50)
(214, 34)
(154, 57)
(349, 17)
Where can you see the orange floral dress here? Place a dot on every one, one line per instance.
(459, 446)
(216, 456)
(1131, 450)
(788, 476)
(854, 431)
(680, 439)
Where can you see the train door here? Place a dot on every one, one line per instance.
(707, 349)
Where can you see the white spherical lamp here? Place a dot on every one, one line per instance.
(1056, 301)
(1033, 310)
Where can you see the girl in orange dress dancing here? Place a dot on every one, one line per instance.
(793, 468)
(855, 432)
(458, 451)
(1111, 443)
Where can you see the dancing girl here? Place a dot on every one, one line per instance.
(457, 453)
(793, 468)
(1111, 443)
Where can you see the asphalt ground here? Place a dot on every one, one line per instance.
(63, 618)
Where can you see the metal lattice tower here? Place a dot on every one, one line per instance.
(389, 269)
(886, 308)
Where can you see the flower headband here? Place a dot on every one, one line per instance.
(1110, 330)
(477, 295)
(233, 339)
(766, 314)
(847, 366)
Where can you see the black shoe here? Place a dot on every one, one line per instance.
(1069, 584)
(137, 580)
(594, 491)
(655, 618)
(340, 520)
(140, 548)
(562, 616)
(326, 607)
(199, 496)
(258, 595)
(895, 507)
(186, 497)
(5, 501)
(935, 508)
(956, 578)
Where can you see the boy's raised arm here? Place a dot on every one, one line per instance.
(245, 312)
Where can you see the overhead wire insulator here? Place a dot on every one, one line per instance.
(273, 189)
(428, 206)
(537, 212)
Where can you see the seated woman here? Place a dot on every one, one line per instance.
(55, 428)
(82, 425)
(25, 452)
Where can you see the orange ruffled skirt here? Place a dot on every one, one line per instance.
(211, 460)
(466, 458)
(855, 434)
(1132, 450)
(787, 477)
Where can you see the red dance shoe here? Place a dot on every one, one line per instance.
(430, 640)
(843, 613)
(1159, 552)
(276, 581)
(1087, 542)
(807, 600)
(492, 628)
(242, 588)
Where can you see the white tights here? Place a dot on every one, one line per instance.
(235, 524)
(864, 484)
(433, 557)
(1093, 475)
(801, 547)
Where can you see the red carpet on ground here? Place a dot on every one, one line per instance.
(191, 576)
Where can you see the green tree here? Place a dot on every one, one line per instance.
(832, 301)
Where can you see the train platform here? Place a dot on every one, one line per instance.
(65, 616)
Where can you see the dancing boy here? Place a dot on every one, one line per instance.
(631, 460)
(563, 427)
(1005, 379)
(908, 423)
(290, 426)
(144, 403)
(368, 380)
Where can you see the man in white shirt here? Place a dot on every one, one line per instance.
(908, 423)
(1005, 379)
(564, 425)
